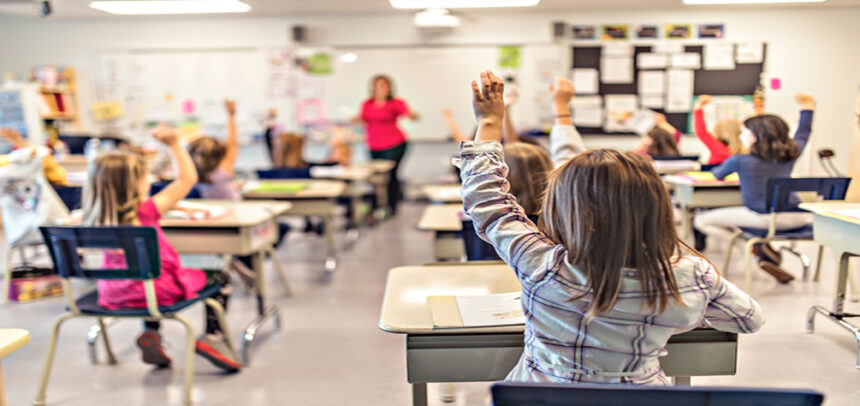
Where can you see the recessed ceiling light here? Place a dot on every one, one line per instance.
(422, 4)
(157, 7)
(349, 57)
(701, 2)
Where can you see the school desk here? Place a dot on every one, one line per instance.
(444, 221)
(841, 233)
(489, 353)
(375, 173)
(693, 195)
(73, 162)
(442, 193)
(11, 340)
(249, 228)
(308, 197)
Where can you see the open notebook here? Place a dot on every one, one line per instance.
(501, 309)
(196, 211)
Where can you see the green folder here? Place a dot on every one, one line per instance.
(281, 187)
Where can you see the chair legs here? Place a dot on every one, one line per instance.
(49, 360)
(189, 357)
(279, 268)
(7, 276)
(737, 234)
(222, 321)
(804, 260)
(818, 264)
(749, 261)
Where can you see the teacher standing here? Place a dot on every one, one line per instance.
(385, 139)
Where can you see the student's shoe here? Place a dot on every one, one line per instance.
(776, 271)
(766, 253)
(216, 350)
(701, 240)
(151, 350)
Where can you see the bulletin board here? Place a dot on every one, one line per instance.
(740, 81)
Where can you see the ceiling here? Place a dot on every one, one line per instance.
(71, 9)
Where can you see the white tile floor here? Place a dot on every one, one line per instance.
(330, 351)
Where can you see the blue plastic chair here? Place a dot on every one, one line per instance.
(780, 199)
(143, 262)
(284, 173)
(530, 394)
(70, 195)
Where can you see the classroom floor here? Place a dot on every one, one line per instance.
(330, 351)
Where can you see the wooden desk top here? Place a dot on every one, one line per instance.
(443, 193)
(242, 214)
(12, 339)
(441, 217)
(830, 209)
(316, 189)
(684, 181)
(404, 305)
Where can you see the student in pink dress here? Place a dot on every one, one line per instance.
(116, 193)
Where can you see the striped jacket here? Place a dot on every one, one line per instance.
(561, 344)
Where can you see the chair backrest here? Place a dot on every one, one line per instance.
(70, 195)
(158, 186)
(284, 173)
(476, 248)
(780, 191)
(694, 158)
(139, 244)
(522, 394)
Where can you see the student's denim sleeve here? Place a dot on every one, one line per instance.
(565, 142)
(498, 218)
(729, 309)
(728, 167)
(804, 130)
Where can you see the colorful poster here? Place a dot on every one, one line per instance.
(615, 32)
(12, 112)
(716, 31)
(647, 31)
(319, 64)
(678, 31)
(584, 32)
(509, 57)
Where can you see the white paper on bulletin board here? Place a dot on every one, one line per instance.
(616, 69)
(585, 81)
(719, 56)
(616, 105)
(587, 111)
(679, 90)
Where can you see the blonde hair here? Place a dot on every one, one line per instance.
(111, 194)
(729, 133)
(528, 169)
(207, 154)
(611, 212)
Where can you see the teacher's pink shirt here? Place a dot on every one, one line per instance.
(381, 122)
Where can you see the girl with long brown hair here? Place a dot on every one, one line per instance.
(605, 279)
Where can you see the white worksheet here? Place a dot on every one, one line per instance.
(652, 102)
(719, 56)
(501, 309)
(652, 82)
(585, 81)
(679, 90)
(619, 104)
(685, 61)
(587, 111)
(616, 69)
(617, 48)
(651, 61)
(669, 47)
(750, 52)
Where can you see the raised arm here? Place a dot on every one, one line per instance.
(453, 128)
(701, 127)
(726, 168)
(730, 309)
(496, 215)
(186, 176)
(804, 127)
(564, 140)
(229, 161)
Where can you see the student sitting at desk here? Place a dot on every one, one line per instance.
(605, 283)
(116, 193)
(772, 153)
(726, 140)
(662, 140)
(54, 173)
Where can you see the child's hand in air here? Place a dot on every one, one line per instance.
(489, 106)
(562, 91)
(166, 134)
(14, 137)
(702, 101)
(230, 105)
(659, 119)
(806, 101)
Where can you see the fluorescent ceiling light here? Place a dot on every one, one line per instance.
(156, 7)
(435, 18)
(422, 4)
(700, 2)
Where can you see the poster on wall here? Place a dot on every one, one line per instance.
(12, 112)
(279, 74)
(715, 31)
(509, 57)
(584, 32)
(647, 32)
(612, 32)
(319, 64)
(678, 31)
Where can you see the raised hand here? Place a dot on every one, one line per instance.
(702, 101)
(166, 134)
(489, 106)
(562, 91)
(806, 101)
(14, 137)
(230, 105)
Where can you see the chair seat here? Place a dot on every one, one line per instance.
(89, 304)
(802, 233)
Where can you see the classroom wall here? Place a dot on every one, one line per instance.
(810, 49)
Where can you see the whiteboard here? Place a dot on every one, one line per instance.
(431, 79)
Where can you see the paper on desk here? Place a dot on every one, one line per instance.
(686, 61)
(719, 56)
(652, 102)
(679, 90)
(853, 213)
(588, 111)
(616, 69)
(585, 81)
(651, 61)
(750, 52)
(195, 211)
(619, 104)
(652, 82)
(501, 309)
(669, 47)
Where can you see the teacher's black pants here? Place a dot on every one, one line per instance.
(394, 190)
